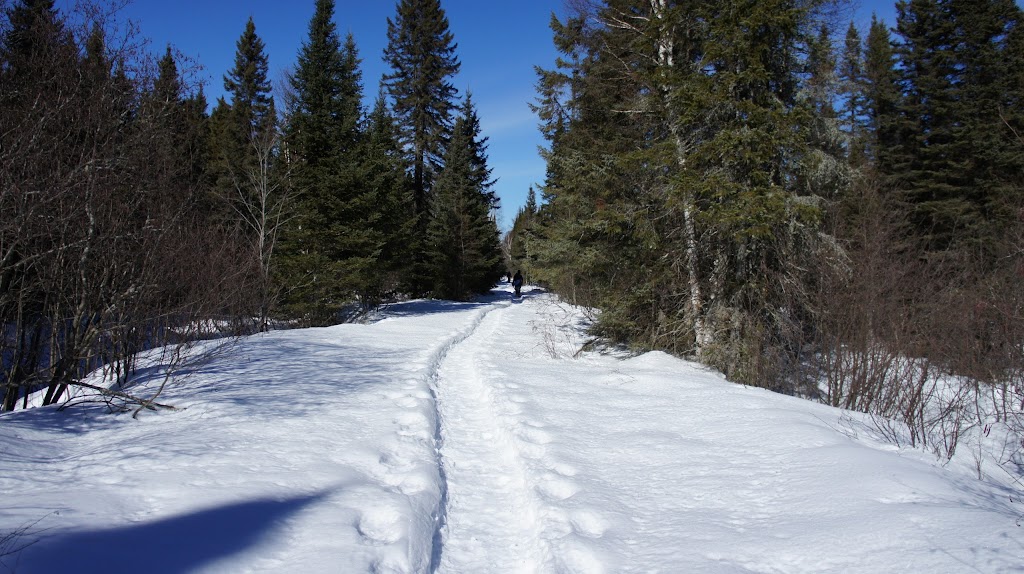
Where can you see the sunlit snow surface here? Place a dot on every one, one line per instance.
(466, 438)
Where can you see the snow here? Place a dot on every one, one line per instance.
(465, 438)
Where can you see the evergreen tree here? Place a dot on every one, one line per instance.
(249, 194)
(853, 113)
(587, 251)
(421, 54)
(990, 53)
(822, 78)
(35, 30)
(249, 86)
(955, 151)
(220, 137)
(394, 218)
(251, 119)
(531, 202)
(683, 176)
(520, 237)
(184, 116)
(330, 252)
(464, 249)
(881, 93)
(827, 145)
(930, 170)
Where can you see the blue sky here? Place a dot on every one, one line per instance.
(499, 43)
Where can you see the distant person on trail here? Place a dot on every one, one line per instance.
(517, 282)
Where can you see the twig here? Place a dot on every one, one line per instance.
(109, 392)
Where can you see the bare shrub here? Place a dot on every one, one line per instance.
(104, 251)
(929, 344)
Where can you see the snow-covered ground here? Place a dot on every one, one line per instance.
(468, 438)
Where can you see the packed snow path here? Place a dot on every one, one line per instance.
(491, 519)
(466, 438)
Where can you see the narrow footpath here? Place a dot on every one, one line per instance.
(490, 522)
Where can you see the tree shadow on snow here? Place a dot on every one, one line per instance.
(177, 544)
(526, 293)
(428, 307)
(421, 307)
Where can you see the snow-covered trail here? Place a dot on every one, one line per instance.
(475, 438)
(490, 523)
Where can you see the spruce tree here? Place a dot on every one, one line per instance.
(990, 56)
(956, 150)
(881, 93)
(853, 112)
(330, 253)
(249, 86)
(520, 237)
(393, 220)
(464, 250)
(684, 176)
(220, 137)
(421, 55)
(244, 143)
(822, 77)
(929, 168)
(34, 29)
(252, 120)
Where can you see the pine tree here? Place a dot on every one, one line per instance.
(421, 55)
(464, 249)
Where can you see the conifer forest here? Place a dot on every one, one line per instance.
(758, 185)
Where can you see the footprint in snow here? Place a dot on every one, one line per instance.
(562, 469)
(407, 401)
(556, 488)
(588, 523)
(393, 462)
(535, 436)
(382, 525)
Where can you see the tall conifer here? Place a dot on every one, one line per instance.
(464, 250)
(957, 148)
(252, 104)
(686, 171)
(329, 251)
(881, 97)
(853, 112)
(421, 54)
(393, 220)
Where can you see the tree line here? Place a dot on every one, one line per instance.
(133, 217)
(838, 216)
